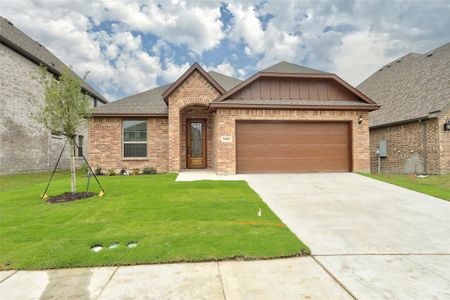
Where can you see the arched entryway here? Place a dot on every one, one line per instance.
(196, 134)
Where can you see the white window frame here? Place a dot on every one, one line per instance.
(136, 142)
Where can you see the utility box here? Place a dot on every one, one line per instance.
(382, 148)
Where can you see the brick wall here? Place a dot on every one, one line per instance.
(412, 148)
(105, 140)
(196, 112)
(24, 144)
(225, 120)
(195, 90)
(444, 143)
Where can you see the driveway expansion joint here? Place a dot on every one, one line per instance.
(9, 276)
(334, 278)
(107, 282)
(221, 281)
(380, 254)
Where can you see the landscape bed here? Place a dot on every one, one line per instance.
(169, 222)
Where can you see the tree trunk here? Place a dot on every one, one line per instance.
(73, 179)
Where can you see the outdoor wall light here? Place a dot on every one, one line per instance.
(360, 119)
(447, 126)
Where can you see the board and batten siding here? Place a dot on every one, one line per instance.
(295, 89)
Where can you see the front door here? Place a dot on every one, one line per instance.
(196, 144)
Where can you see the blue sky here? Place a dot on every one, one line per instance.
(132, 46)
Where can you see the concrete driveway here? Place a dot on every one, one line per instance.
(375, 239)
(370, 240)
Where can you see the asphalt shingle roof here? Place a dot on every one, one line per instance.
(151, 101)
(411, 87)
(9, 34)
(286, 67)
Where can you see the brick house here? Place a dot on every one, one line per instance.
(25, 145)
(414, 94)
(286, 118)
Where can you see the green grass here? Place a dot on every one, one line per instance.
(434, 185)
(172, 221)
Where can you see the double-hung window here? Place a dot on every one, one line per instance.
(134, 138)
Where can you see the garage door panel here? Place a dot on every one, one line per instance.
(292, 147)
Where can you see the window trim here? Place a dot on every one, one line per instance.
(122, 128)
(80, 145)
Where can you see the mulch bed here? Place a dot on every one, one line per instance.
(67, 197)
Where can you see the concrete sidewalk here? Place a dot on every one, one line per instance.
(376, 239)
(293, 278)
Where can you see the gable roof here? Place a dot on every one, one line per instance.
(287, 67)
(194, 67)
(412, 87)
(151, 102)
(18, 41)
(277, 71)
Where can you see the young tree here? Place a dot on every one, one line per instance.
(65, 109)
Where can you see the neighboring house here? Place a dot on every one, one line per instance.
(286, 118)
(414, 94)
(24, 144)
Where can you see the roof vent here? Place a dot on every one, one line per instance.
(388, 65)
(430, 53)
(380, 69)
(40, 45)
(9, 22)
(398, 61)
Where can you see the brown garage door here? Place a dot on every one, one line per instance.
(264, 147)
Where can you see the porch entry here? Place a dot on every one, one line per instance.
(196, 144)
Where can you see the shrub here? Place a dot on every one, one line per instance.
(98, 170)
(135, 171)
(150, 171)
(123, 171)
(112, 172)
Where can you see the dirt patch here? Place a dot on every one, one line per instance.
(67, 197)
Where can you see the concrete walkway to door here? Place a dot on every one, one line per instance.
(375, 239)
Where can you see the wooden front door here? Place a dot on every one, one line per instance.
(196, 144)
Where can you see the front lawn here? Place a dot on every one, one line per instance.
(171, 221)
(434, 185)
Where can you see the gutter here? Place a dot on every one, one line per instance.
(215, 105)
(431, 115)
(39, 62)
(156, 115)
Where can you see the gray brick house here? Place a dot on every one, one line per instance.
(24, 145)
(414, 94)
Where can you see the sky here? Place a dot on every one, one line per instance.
(132, 46)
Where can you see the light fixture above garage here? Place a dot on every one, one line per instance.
(447, 126)
(360, 119)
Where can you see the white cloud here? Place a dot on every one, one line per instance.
(130, 46)
(196, 25)
(355, 66)
(224, 68)
(173, 71)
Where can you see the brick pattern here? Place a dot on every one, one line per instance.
(105, 140)
(225, 124)
(195, 90)
(444, 143)
(412, 148)
(25, 145)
